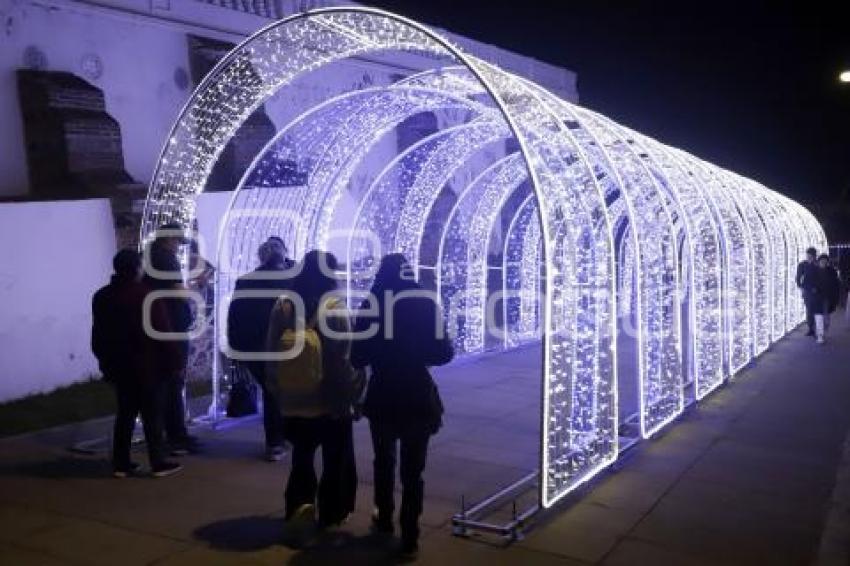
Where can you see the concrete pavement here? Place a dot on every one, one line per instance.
(759, 473)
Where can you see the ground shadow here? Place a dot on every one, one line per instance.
(62, 468)
(333, 547)
(244, 534)
(340, 547)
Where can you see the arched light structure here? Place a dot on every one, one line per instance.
(513, 191)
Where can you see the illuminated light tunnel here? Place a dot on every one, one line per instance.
(606, 246)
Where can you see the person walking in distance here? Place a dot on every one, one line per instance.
(247, 328)
(402, 401)
(133, 362)
(826, 296)
(805, 279)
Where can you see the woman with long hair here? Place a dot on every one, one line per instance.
(402, 402)
(827, 289)
(315, 387)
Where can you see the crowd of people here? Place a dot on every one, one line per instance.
(318, 368)
(289, 328)
(819, 282)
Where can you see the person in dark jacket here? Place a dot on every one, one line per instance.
(805, 279)
(164, 272)
(826, 292)
(133, 362)
(402, 402)
(247, 326)
(319, 416)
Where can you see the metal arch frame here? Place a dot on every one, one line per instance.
(412, 255)
(571, 209)
(781, 250)
(451, 51)
(504, 175)
(760, 268)
(584, 117)
(728, 221)
(513, 226)
(492, 170)
(737, 212)
(367, 96)
(659, 155)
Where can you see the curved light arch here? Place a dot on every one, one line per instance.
(561, 236)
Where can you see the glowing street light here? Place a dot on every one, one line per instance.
(844, 77)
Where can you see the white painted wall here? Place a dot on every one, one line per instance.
(53, 257)
(141, 44)
(139, 62)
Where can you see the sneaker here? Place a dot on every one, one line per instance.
(821, 340)
(130, 470)
(275, 453)
(300, 527)
(166, 469)
(303, 516)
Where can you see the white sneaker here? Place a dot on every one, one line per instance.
(821, 340)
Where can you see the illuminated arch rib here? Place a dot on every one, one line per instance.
(510, 190)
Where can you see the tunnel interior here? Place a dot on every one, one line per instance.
(636, 278)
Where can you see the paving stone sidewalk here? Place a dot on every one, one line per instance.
(759, 473)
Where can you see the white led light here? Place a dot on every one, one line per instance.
(583, 224)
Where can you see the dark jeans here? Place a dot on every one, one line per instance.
(135, 399)
(175, 408)
(272, 419)
(336, 489)
(413, 438)
(810, 301)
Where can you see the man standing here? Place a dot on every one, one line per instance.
(247, 325)
(163, 272)
(807, 282)
(132, 362)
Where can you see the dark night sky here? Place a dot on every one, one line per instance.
(751, 86)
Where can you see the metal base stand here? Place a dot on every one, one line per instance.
(472, 519)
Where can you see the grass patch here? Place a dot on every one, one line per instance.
(75, 403)
(78, 402)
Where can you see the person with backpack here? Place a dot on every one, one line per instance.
(315, 388)
(247, 327)
(402, 401)
(133, 362)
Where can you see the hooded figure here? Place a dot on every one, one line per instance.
(402, 401)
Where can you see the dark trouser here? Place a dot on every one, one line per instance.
(336, 487)
(272, 420)
(810, 301)
(175, 408)
(413, 438)
(134, 399)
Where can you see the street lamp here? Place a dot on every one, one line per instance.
(844, 77)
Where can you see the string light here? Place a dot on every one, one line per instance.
(587, 224)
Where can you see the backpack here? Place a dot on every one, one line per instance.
(297, 381)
